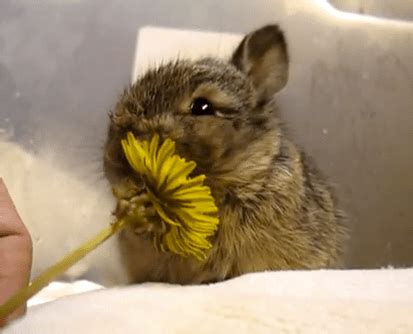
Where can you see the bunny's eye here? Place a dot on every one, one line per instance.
(202, 107)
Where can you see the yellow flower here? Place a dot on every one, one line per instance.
(184, 204)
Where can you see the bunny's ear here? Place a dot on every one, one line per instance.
(263, 56)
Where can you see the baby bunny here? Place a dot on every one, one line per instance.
(276, 212)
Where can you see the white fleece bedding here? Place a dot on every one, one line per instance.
(350, 301)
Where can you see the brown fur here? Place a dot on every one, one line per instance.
(276, 212)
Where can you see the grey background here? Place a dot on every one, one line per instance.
(349, 101)
(394, 9)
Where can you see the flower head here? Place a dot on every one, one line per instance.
(184, 204)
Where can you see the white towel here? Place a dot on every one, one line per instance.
(365, 301)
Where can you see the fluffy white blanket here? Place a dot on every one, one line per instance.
(366, 301)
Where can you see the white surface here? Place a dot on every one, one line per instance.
(379, 301)
(156, 45)
(61, 211)
(56, 290)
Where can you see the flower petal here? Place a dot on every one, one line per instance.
(182, 202)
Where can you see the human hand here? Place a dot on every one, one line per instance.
(15, 252)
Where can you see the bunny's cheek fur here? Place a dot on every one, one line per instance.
(206, 141)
